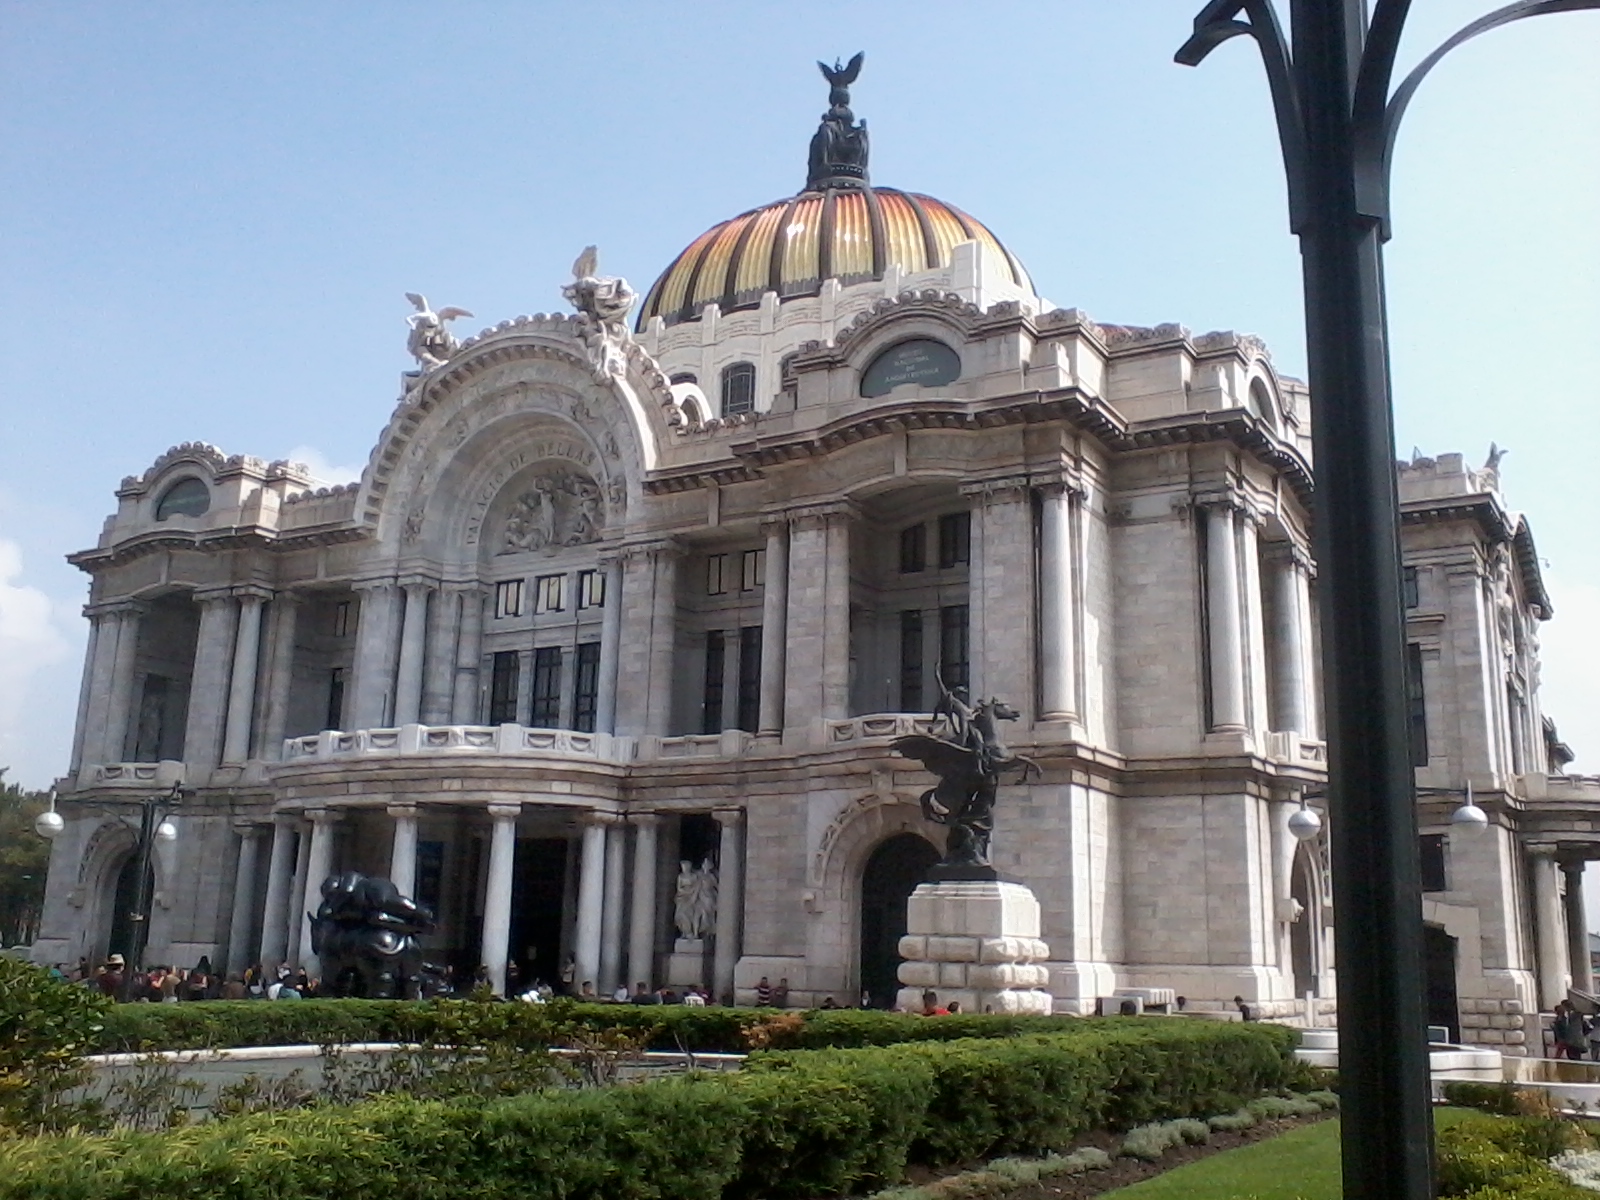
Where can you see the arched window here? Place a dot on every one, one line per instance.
(1261, 403)
(738, 389)
(187, 498)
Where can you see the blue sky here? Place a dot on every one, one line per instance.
(209, 214)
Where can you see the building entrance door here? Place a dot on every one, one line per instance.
(537, 890)
(890, 876)
(124, 898)
(1439, 969)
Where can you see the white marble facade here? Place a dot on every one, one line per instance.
(571, 629)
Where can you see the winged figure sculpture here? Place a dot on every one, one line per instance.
(430, 342)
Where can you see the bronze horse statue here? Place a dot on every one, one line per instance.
(966, 752)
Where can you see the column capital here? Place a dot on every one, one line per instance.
(323, 816)
(213, 597)
(245, 827)
(728, 817)
(417, 583)
(1290, 554)
(116, 608)
(470, 587)
(651, 551)
(401, 811)
(815, 516)
(1572, 866)
(597, 817)
(253, 592)
(644, 820)
(1541, 849)
(772, 523)
(504, 812)
(285, 820)
(373, 585)
(1219, 500)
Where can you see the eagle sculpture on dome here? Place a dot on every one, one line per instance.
(430, 343)
(839, 147)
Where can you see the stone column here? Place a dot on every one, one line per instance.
(817, 671)
(319, 865)
(611, 915)
(1224, 621)
(280, 881)
(1577, 928)
(464, 705)
(280, 673)
(413, 636)
(208, 691)
(1253, 619)
(1058, 618)
(120, 701)
(1547, 927)
(375, 655)
(774, 620)
(730, 901)
(86, 690)
(296, 922)
(591, 899)
(439, 669)
(244, 897)
(403, 855)
(497, 897)
(1289, 657)
(642, 931)
(605, 720)
(242, 687)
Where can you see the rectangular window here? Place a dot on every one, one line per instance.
(750, 677)
(508, 598)
(913, 550)
(341, 619)
(549, 593)
(716, 574)
(752, 570)
(586, 687)
(1408, 585)
(335, 712)
(953, 664)
(591, 589)
(1416, 706)
(955, 540)
(911, 661)
(503, 679)
(1433, 878)
(546, 687)
(738, 389)
(716, 661)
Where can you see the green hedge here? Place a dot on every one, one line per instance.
(208, 1024)
(1507, 1158)
(791, 1126)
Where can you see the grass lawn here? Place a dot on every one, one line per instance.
(1302, 1164)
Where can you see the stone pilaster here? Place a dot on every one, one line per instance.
(642, 929)
(817, 672)
(1058, 604)
(213, 656)
(648, 639)
(1001, 591)
(464, 703)
(280, 883)
(591, 897)
(1547, 926)
(242, 680)
(1577, 927)
(86, 689)
(120, 704)
(244, 897)
(611, 915)
(439, 670)
(1224, 618)
(774, 626)
(285, 613)
(610, 639)
(730, 901)
(376, 645)
(413, 641)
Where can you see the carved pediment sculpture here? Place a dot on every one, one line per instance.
(560, 507)
(603, 301)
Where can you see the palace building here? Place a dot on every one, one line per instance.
(602, 656)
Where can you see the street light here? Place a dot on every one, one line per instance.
(155, 825)
(1337, 120)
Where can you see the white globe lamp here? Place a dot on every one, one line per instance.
(1304, 823)
(166, 832)
(49, 824)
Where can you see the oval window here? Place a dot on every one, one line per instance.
(920, 360)
(186, 498)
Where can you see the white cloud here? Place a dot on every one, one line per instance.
(1569, 653)
(321, 469)
(32, 639)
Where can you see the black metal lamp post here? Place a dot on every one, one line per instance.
(1337, 119)
(154, 811)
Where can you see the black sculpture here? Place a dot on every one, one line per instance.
(365, 935)
(839, 147)
(969, 759)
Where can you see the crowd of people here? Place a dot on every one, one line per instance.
(1575, 1035)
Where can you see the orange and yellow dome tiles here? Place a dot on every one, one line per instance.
(791, 246)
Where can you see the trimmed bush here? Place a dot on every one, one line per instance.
(209, 1024)
(794, 1124)
(46, 1024)
(1487, 1158)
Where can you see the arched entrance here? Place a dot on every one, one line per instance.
(1439, 970)
(887, 881)
(1302, 933)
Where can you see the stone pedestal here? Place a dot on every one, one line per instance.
(975, 942)
(686, 965)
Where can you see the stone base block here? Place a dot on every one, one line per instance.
(687, 965)
(975, 943)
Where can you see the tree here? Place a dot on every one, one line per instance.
(24, 859)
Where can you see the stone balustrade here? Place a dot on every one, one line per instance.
(452, 740)
(133, 776)
(1296, 748)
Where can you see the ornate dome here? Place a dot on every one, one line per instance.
(851, 233)
(840, 227)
